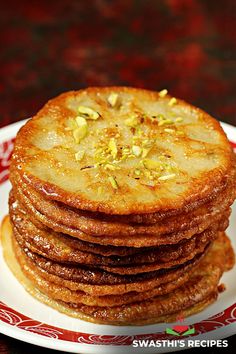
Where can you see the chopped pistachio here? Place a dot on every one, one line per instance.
(89, 112)
(79, 133)
(79, 155)
(124, 157)
(110, 167)
(147, 173)
(150, 184)
(145, 152)
(132, 121)
(71, 124)
(179, 119)
(165, 122)
(113, 182)
(167, 130)
(125, 151)
(139, 131)
(136, 150)
(163, 93)
(165, 178)
(161, 116)
(152, 164)
(113, 148)
(145, 142)
(172, 101)
(81, 121)
(168, 168)
(137, 172)
(113, 99)
(180, 133)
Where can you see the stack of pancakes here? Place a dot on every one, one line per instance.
(119, 205)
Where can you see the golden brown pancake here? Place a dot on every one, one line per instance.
(128, 284)
(194, 159)
(54, 246)
(58, 291)
(102, 225)
(72, 310)
(219, 221)
(120, 199)
(199, 291)
(97, 275)
(117, 267)
(202, 283)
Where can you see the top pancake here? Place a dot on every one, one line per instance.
(138, 152)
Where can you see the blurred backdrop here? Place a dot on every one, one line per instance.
(48, 47)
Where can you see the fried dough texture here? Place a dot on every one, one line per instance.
(119, 204)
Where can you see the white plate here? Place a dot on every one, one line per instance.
(24, 318)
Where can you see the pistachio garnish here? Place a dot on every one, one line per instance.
(163, 93)
(113, 182)
(166, 177)
(88, 112)
(110, 167)
(71, 124)
(79, 155)
(132, 121)
(113, 99)
(179, 120)
(81, 121)
(172, 101)
(180, 133)
(145, 152)
(79, 133)
(148, 174)
(165, 122)
(136, 150)
(110, 150)
(152, 164)
(126, 151)
(167, 130)
(113, 148)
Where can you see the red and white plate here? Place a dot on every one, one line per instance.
(24, 318)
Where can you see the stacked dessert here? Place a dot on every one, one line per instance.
(119, 204)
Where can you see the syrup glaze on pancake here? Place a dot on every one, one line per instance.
(120, 199)
(6, 238)
(101, 227)
(218, 221)
(127, 284)
(54, 287)
(73, 311)
(198, 159)
(55, 247)
(201, 287)
(96, 275)
(202, 283)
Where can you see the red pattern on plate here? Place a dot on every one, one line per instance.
(16, 319)
(233, 145)
(6, 149)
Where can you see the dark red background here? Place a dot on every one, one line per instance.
(47, 47)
